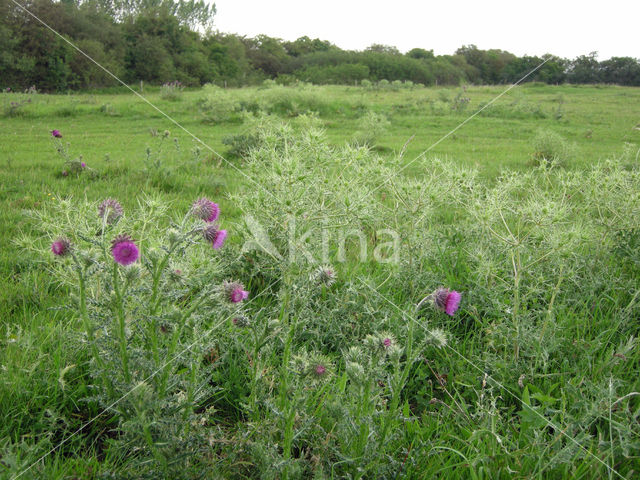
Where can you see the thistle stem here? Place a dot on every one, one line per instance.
(121, 324)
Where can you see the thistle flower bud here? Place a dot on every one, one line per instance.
(355, 371)
(173, 236)
(241, 321)
(133, 272)
(438, 337)
(319, 370)
(176, 275)
(325, 275)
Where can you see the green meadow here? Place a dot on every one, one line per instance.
(529, 209)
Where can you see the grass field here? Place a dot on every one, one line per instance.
(530, 210)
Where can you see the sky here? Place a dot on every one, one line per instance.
(533, 27)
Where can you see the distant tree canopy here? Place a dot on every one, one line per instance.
(160, 41)
(192, 13)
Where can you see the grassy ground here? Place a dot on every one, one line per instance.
(574, 380)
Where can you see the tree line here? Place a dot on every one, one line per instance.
(159, 41)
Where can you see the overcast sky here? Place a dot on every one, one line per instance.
(532, 27)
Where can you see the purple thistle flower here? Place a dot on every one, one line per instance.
(56, 133)
(83, 165)
(320, 370)
(453, 302)
(124, 251)
(386, 343)
(60, 247)
(446, 300)
(110, 208)
(215, 236)
(237, 295)
(205, 209)
(235, 292)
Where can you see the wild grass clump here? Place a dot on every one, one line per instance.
(517, 109)
(220, 106)
(261, 128)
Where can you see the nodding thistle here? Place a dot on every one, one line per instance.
(124, 250)
(110, 210)
(235, 292)
(444, 300)
(205, 209)
(61, 247)
(241, 321)
(325, 275)
(214, 235)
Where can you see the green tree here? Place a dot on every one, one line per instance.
(420, 53)
(621, 70)
(191, 13)
(584, 69)
(305, 45)
(267, 54)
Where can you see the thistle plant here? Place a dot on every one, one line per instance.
(171, 90)
(146, 332)
(75, 166)
(498, 259)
